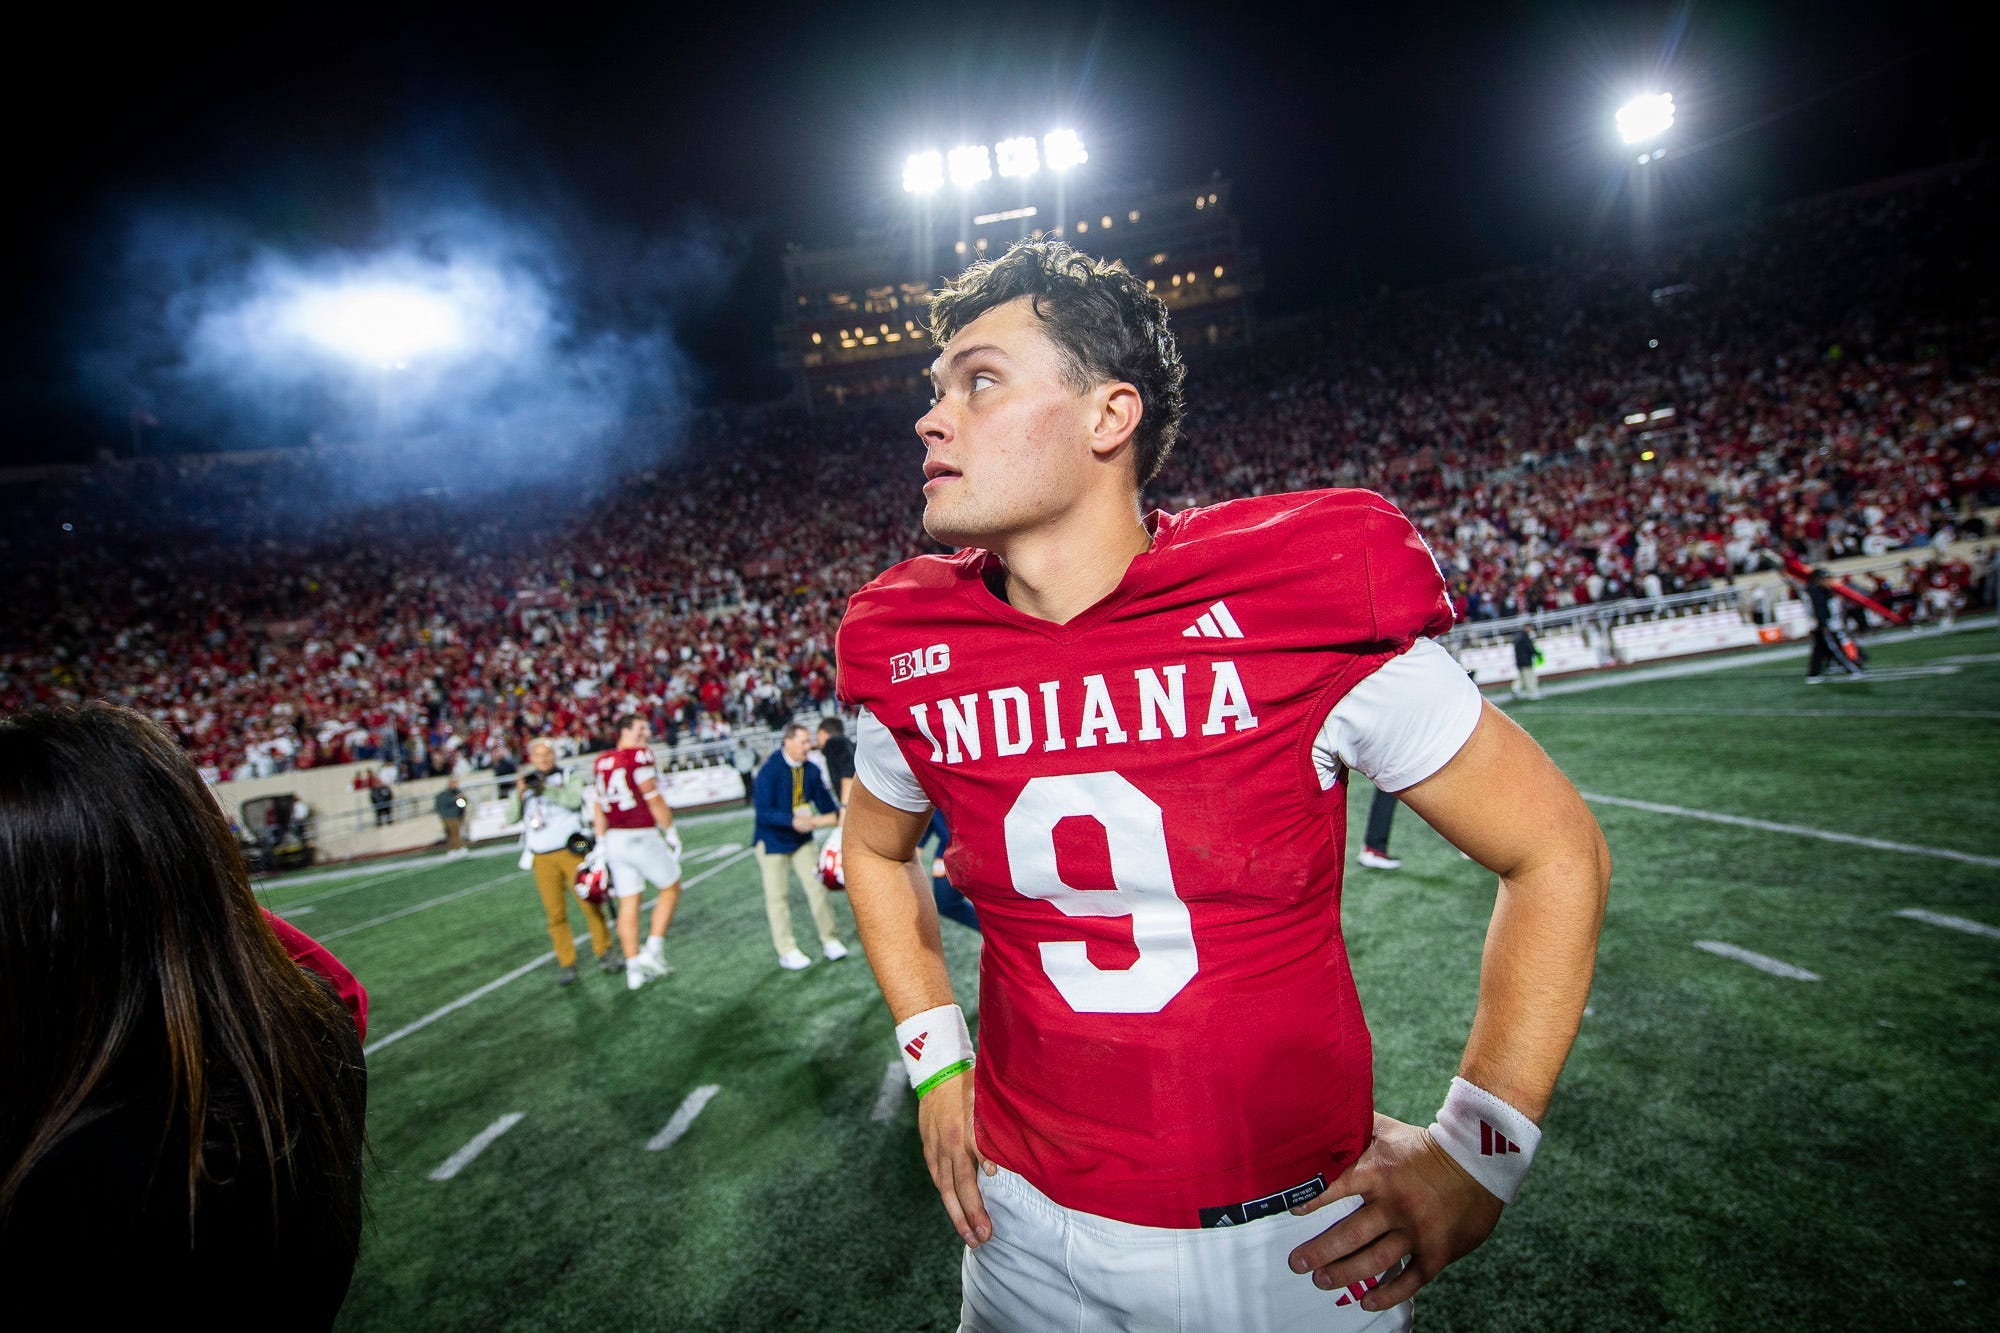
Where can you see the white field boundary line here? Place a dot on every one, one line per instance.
(683, 1118)
(1799, 830)
(890, 1098)
(481, 1141)
(1949, 922)
(414, 908)
(425, 859)
(470, 996)
(1611, 677)
(390, 878)
(1777, 967)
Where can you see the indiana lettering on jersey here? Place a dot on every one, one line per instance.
(1151, 706)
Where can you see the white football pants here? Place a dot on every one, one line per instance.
(1051, 1269)
(638, 856)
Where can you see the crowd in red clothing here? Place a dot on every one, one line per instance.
(1823, 379)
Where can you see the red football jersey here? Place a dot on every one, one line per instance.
(620, 774)
(1169, 1033)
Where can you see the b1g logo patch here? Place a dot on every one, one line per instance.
(924, 662)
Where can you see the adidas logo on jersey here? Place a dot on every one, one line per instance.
(915, 1045)
(1492, 1143)
(1215, 623)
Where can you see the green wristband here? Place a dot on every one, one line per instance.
(941, 1075)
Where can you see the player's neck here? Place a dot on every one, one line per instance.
(1058, 574)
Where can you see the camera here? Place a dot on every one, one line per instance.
(531, 782)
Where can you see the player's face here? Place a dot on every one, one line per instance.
(635, 735)
(1007, 440)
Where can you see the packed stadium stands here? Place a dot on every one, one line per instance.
(1623, 422)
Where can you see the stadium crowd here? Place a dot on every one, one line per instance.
(1621, 422)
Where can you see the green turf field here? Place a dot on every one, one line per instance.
(1728, 1149)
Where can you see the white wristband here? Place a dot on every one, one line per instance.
(1490, 1139)
(936, 1044)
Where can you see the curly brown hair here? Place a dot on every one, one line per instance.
(1103, 321)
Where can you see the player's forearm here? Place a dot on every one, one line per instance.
(663, 816)
(899, 930)
(1534, 976)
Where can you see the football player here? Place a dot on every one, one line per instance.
(1139, 728)
(637, 841)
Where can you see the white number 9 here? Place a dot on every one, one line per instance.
(1135, 830)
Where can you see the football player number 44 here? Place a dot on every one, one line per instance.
(1136, 832)
(618, 788)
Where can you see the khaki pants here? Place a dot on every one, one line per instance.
(452, 839)
(804, 863)
(555, 880)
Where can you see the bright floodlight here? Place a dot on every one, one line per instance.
(1018, 157)
(384, 325)
(923, 173)
(1644, 119)
(1062, 149)
(970, 165)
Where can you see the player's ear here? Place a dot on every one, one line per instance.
(1117, 411)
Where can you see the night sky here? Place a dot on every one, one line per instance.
(673, 157)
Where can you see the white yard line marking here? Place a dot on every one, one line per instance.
(375, 883)
(424, 906)
(291, 912)
(429, 860)
(683, 1118)
(497, 982)
(481, 1141)
(1762, 962)
(724, 849)
(460, 1003)
(1769, 826)
(890, 1098)
(1950, 922)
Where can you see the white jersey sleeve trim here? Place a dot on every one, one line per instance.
(881, 768)
(1401, 724)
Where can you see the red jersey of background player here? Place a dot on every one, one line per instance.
(623, 780)
(1168, 1026)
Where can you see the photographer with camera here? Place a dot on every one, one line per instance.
(549, 803)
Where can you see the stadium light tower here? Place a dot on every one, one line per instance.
(969, 165)
(1018, 156)
(1645, 120)
(1062, 149)
(923, 173)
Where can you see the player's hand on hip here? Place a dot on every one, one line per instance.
(1415, 1202)
(944, 1118)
